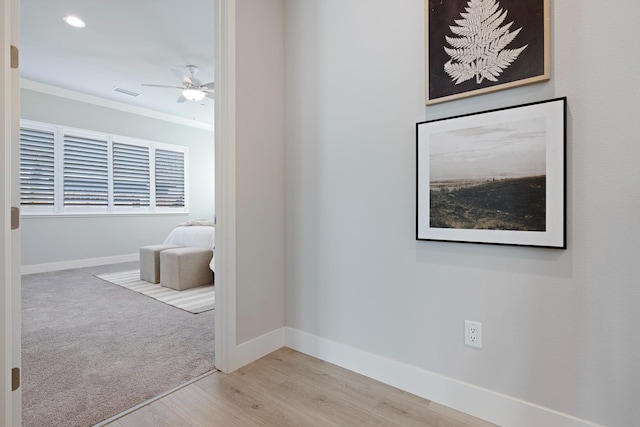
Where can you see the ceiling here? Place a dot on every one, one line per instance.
(125, 43)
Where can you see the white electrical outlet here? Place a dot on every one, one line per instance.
(473, 333)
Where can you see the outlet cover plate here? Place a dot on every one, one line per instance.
(473, 333)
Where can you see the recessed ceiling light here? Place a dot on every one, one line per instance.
(74, 21)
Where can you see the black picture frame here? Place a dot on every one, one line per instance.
(520, 25)
(496, 176)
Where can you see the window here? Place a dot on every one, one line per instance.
(85, 171)
(37, 167)
(169, 178)
(132, 175)
(64, 171)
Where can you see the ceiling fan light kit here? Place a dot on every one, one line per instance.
(192, 89)
(193, 94)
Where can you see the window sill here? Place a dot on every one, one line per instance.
(29, 215)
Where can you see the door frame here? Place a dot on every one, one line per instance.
(225, 185)
(225, 152)
(231, 22)
(10, 331)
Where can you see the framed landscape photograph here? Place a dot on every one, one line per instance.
(480, 46)
(494, 177)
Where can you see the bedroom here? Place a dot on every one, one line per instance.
(76, 240)
(67, 77)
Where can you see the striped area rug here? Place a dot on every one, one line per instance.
(194, 300)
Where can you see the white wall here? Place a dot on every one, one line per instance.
(559, 326)
(260, 167)
(53, 240)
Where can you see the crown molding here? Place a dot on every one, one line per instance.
(107, 103)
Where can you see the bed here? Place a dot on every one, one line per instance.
(199, 233)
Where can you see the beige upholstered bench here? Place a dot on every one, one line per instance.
(185, 268)
(150, 261)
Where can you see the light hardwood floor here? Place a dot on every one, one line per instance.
(287, 388)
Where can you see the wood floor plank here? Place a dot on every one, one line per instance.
(354, 388)
(288, 388)
(404, 409)
(307, 366)
(350, 394)
(198, 408)
(326, 406)
(257, 401)
(442, 416)
(262, 374)
(156, 414)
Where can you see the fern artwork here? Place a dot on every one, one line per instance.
(478, 46)
(480, 49)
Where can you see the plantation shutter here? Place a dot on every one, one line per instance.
(170, 182)
(85, 172)
(131, 175)
(37, 157)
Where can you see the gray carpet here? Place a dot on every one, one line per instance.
(92, 349)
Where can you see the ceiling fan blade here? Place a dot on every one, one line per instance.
(183, 77)
(182, 99)
(209, 85)
(210, 95)
(173, 87)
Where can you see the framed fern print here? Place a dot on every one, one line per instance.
(479, 46)
(494, 177)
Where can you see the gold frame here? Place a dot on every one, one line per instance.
(496, 87)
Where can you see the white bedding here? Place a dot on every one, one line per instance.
(195, 236)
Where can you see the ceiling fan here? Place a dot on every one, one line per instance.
(192, 88)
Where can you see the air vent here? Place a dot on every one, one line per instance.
(126, 92)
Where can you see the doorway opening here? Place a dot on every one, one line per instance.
(68, 82)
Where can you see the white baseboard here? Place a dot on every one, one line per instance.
(256, 348)
(79, 263)
(488, 405)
